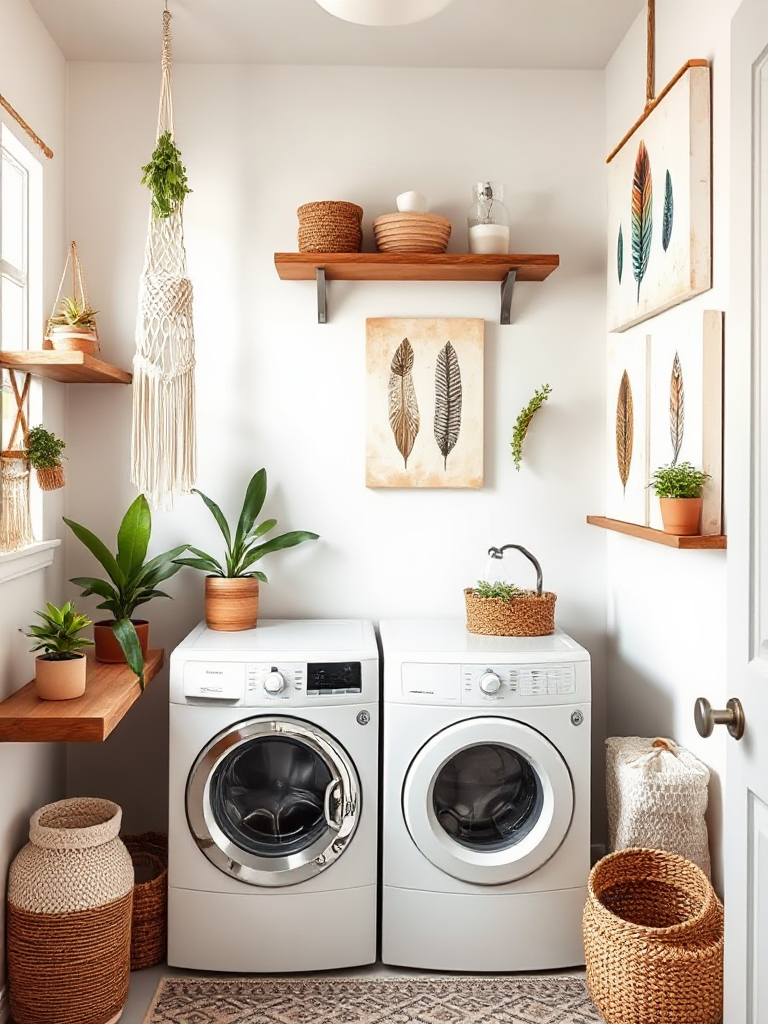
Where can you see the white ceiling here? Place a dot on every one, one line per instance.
(467, 34)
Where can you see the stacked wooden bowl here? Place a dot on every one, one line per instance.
(411, 232)
(330, 226)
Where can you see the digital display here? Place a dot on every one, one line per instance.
(334, 677)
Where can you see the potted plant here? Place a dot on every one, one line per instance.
(72, 327)
(679, 490)
(60, 670)
(232, 588)
(44, 453)
(132, 582)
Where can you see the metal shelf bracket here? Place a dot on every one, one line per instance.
(507, 289)
(322, 308)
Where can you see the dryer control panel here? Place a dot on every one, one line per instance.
(492, 683)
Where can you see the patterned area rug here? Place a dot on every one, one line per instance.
(452, 1000)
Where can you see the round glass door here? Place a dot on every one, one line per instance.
(273, 801)
(488, 800)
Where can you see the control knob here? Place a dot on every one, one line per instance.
(490, 682)
(274, 681)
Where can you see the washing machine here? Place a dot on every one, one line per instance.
(486, 802)
(273, 812)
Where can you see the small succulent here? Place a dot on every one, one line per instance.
(44, 448)
(504, 591)
(681, 481)
(72, 313)
(58, 636)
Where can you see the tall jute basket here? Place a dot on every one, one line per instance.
(532, 613)
(70, 891)
(149, 921)
(653, 940)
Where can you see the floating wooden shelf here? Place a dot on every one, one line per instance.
(109, 693)
(718, 542)
(380, 266)
(66, 367)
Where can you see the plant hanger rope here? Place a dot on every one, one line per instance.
(163, 444)
(73, 265)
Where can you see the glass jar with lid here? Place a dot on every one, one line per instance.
(488, 220)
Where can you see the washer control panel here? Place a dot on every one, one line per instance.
(256, 684)
(504, 683)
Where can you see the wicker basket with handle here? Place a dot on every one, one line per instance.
(653, 940)
(529, 614)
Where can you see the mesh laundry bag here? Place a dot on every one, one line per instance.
(657, 797)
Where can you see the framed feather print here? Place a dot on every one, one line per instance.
(627, 430)
(424, 402)
(686, 406)
(659, 205)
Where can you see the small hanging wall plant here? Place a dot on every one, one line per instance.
(540, 396)
(44, 453)
(166, 177)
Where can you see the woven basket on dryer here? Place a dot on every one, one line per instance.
(149, 922)
(70, 891)
(653, 940)
(530, 614)
(330, 226)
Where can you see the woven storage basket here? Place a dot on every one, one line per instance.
(531, 614)
(70, 891)
(330, 226)
(653, 940)
(51, 478)
(149, 923)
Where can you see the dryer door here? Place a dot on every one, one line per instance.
(273, 801)
(488, 800)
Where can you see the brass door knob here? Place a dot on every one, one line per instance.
(706, 718)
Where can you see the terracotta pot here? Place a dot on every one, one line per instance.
(60, 680)
(108, 649)
(231, 603)
(73, 339)
(681, 516)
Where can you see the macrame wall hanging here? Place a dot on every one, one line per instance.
(15, 521)
(163, 444)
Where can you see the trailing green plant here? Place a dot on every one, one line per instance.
(680, 481)
(58, 636)
(523, 421)
(132, 581)
(70, 312)
(504, 591)
(244, 549)
(44, 448)
(166, 177)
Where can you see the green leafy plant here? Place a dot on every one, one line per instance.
(243, 549)
(70, 312)
(681, 481)
(58, 636)
(44, 448)
(540, 396)
(504, 591)
(166, 177)
(132, 581)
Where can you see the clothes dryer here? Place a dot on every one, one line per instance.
(486, 798)
(274, 797)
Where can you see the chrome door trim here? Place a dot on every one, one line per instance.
(341, 823)
(475, 865)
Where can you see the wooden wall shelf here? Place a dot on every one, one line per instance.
(380, 266)
(65, 367)
(109, 693)
(718, 542)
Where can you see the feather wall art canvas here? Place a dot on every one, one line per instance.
(424, 402)
(686, 404)
(659, 205)
(627, 429)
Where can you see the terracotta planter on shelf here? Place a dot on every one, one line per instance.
(231, 603)
(73, 339)
(60, 679)
(108, 649)
(681, 516)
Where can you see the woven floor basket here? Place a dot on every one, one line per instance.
(531, 615)
(68, 937)
(653, 939)
(149, 923)
(330, 226)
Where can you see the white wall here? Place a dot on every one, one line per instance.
(666, 608)
(278, 390)
(33, 80)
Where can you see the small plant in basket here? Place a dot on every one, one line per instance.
(60, 669)
(500, 608)
(44, 453)
(73, 326)
(679, 489)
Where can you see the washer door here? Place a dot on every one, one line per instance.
(488, 800)
(273, 801)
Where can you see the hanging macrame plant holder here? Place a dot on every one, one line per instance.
(68, 337)
(15, 521)
(163, 444)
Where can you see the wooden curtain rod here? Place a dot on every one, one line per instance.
(23, 124)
